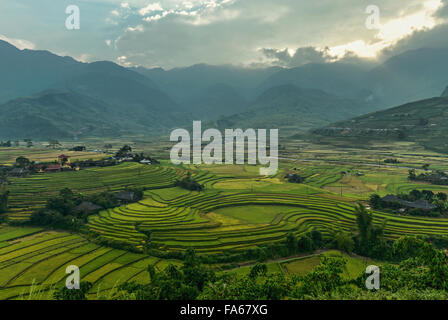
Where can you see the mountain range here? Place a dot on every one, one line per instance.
(423, 122)
(294, 110)
(43, 95)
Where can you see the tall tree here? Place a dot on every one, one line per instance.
(53, 144)
(4, 201)
(22, 162)
(364, 221)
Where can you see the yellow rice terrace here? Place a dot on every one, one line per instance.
(119, 222)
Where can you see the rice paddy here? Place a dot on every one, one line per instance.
(40, 261)
(214, 221)
(28, 194)
(238, 210)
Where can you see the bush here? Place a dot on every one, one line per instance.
(73, 294)
(189, 184)
(305, 244)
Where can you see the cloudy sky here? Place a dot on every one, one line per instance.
(175, 33)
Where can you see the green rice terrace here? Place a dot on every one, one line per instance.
(238, 210)
(31, 192)
(215, 221)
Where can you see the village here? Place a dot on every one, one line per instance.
(23, 166)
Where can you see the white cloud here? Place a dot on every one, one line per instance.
(138, 28)
(150, 8)
(19, 43)
(83, 57)
(172, 33)
(123, 61)
(391, 32)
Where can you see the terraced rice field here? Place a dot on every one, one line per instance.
(304, 264)
(215, 221)
(38, 262)
(237, 210)
(28, 194)
(8, 155)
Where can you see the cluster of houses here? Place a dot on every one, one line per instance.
(124, 196)
(423, 205)
(438, 177)
(64, 164)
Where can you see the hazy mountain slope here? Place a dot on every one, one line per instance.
(187, 83)
(132, 97)
(216, 101)
(293, 110)
(56, 114)
(340, 79)
(422, 121)
(127, 92)
(410, 76)
(445, 92)
(25, 72)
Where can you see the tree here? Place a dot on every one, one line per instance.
(408, 247)
(29, 143)
(73, 294)
(4, 201)
(364, 221)
(305, 244)
(317, 238)
(325, 278)
(415, 195)
(442, 196)
(196, 274)
(53, 143)
(428, 195)
(63, 204)
(189, 183)
(375, 201)
(370, 239)
(259, 269)
(425, 166)
(7, 144)
(124, 151)
(291, 242)
(78, 148)
(344, 241)
(22, 162)
(402, 135)
(174, 283)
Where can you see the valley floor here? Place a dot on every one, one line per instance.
(238, 210)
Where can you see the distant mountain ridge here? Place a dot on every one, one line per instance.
(421, 121)
(55, 113)
(410, 76)
(293, 109)
(154, 101)
(127, 99)
(445, 92)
